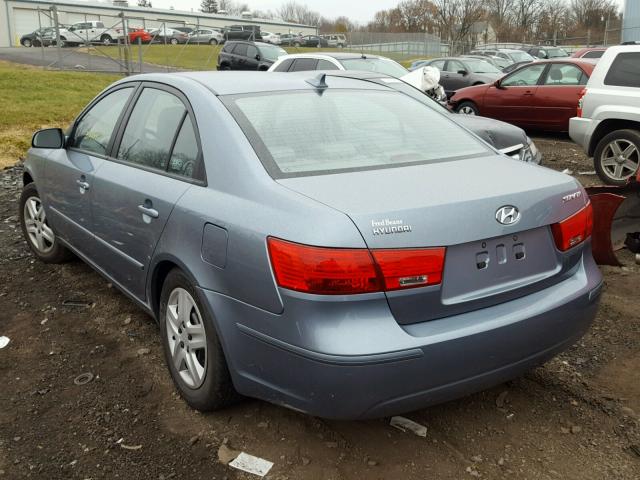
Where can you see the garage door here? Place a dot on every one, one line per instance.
(26, 21)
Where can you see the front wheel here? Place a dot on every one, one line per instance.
(192, 350)
(617, 156)
(173, 41)
(468, 108)
(27, 43)
(39, 234)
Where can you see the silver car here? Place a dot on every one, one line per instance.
(305, 239)
(206, 35)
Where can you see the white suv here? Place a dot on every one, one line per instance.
(88, 32)
(607, 124)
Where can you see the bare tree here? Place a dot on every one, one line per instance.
(457, 17)
(295, 12)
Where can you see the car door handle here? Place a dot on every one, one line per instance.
(527, 93)
(148, 211)
(82, 184)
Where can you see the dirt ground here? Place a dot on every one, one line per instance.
(577, 417)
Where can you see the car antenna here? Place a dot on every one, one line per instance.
(319, 83)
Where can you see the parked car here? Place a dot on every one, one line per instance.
(314, 41)
(242, 32)
(335, 40)
(169, 35)
(607, 124)
(85, 32)
(187, 30)
(547, 52)
(541, 95)
(498, 62)
(338, 61)
(237, 55)
(139, 35)
(508, 139)
(592, 52)
(441, 267)
(509, 54)
(270, 37)
(291, 40)
(206, 35)
(34, 39)
(460, 72)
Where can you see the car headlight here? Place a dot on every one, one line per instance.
(530, 152)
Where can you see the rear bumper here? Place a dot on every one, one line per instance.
(363, 364)
(580, 131)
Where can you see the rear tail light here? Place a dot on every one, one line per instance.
(573, 230)
(581, 102)
(340, 271)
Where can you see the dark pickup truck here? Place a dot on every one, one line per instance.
(242, 32)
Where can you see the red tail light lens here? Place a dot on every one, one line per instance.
(325, 271)
(408, 268)
(573, 230)
(341, 271)
(581, 102)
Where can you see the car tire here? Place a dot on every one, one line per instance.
(200, 374)
(617, 156)
(40, 236)
(213, 41)
(106, 40)
(224, 66)
(27, 43)
(173, 41)
(467, 108)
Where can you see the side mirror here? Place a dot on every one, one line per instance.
(462, 72)
(497, 84)
(52, 138)
(258, 57)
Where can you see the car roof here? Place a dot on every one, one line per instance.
(335, 55)
(585, 63)
(240, 82)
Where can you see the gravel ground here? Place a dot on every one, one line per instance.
(577, 417)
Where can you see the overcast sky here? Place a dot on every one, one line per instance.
(359, 10)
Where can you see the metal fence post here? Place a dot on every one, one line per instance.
(56, 24)
(40, 30)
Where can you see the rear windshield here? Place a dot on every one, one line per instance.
(305, 133)
(379, 65)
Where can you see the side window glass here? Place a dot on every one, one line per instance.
(563, 74)
(439, 64)
(326, 65)
(454, 66)
(527, 76)
(94, 130)
(624, 71)
(304, 64)
(240, 49)
(251, 51)
(284, 66)
(151, 129)
(184, 157)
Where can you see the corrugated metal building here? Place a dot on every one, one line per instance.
(18, 17)
(631, 21)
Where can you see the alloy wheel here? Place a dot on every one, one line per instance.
(39, 232)
(26, 42)
(620, 159)
(187, 338)
(467, 110)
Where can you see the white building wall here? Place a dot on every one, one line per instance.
(18, 17)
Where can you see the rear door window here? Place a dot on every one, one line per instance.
(326, 65)
(624, 71)
(94, 130)
(304, 64)
(151, 129)
(439, 64)
(284, 66)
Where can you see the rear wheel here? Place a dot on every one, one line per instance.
(192, 350)
(213, 41)
(39, 234)
(617, 156)
(27, 43)
(106, 39)
(173, 41)
(467, 108)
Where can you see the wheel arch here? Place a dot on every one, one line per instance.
(605, 127)
(26, 178)
(159, 270)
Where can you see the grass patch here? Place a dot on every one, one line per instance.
(33, 98)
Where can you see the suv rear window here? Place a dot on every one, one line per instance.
(303, 133)
(624, 71)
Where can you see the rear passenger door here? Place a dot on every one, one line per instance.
(556, 99)
(239, 57)
(155, 159)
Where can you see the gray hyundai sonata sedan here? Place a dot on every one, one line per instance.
(304, 239)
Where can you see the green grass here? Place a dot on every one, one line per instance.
(205, 57)
(33, 98)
